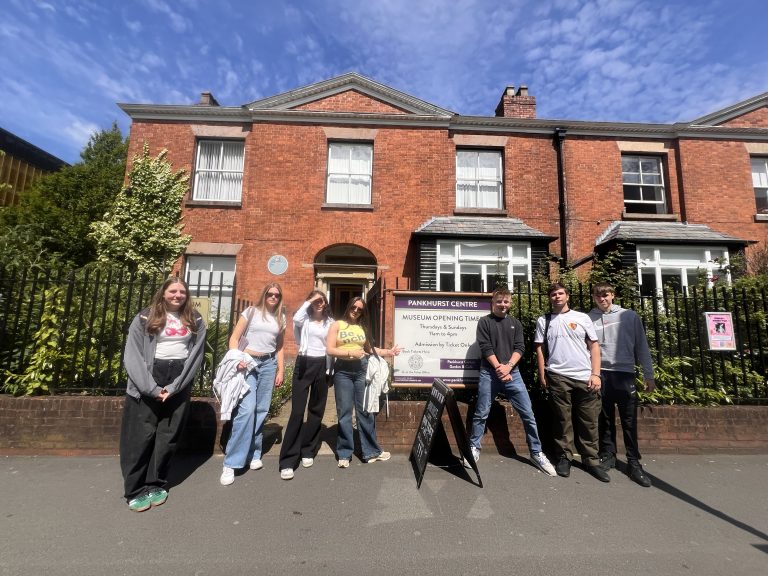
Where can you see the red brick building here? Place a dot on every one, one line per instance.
(346, 181)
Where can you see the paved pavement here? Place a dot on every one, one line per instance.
(705, 515)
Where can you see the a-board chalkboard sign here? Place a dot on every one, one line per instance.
(431, 431)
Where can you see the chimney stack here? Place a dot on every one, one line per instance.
(516, 104)
(207, 99)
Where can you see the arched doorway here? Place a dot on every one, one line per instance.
(342, 272)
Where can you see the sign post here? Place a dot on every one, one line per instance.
(431, 434)
(436, 331)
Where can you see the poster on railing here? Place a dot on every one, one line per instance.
(437, 333)
(720, 330)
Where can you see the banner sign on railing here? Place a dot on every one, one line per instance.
(437, 332)
(720, 331)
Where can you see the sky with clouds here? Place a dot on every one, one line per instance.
(65, 64)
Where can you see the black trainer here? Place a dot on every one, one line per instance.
(598, 472)
(563, 466)
(637, 474)
(607, 461)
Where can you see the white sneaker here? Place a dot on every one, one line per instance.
(307, 462)
(286, 473)
(541, 462)
(256, 464)
(475, 456)
(383, 457)
(227, 476)
(343, 463)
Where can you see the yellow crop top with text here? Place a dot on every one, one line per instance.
(350, 336)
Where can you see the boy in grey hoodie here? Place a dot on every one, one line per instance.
(623, 345)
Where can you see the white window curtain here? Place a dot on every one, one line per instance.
(349, 173)
(219, 171)
(479, 181)
(760, 183)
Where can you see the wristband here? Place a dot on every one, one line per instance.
(598, 375)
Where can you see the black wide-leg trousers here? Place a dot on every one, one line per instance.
(302, 439)
(150, 433)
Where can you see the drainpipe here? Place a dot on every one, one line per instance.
(559, 141)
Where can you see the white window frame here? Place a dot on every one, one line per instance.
(217, 276)
(628, 204)
(341, 180)
(215, 191)
(661, 264)
(760, 182)
(470, 196)
(498, 252)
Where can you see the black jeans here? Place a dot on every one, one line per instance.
(150, 433)
(619, 390)
(302, 439)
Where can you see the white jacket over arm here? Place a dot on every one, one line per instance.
(229, 385)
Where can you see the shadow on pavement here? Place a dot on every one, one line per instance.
(660, 484)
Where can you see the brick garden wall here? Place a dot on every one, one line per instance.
(76, 425)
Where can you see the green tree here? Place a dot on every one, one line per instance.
(143, 227)
(59, 208)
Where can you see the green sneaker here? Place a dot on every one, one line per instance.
(140, 503)
(157, 496)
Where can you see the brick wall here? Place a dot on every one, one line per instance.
(90, 425)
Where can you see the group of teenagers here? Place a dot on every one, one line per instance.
(164, 350)
(587, 362)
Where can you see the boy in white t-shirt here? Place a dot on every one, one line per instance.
(568, 356)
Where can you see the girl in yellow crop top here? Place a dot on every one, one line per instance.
(349, 342)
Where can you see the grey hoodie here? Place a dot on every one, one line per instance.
(622, 340)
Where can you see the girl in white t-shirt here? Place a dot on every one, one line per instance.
(302, 439)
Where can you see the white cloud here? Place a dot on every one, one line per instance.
(179, 23)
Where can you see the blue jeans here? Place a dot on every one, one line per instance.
(349, 385)
(487, 389)
(247, 435)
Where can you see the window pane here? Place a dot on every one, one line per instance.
(760, 172)
(497, 274)
(489, 165)
(649, 165)
(519, 251)
(761, 200)
(631, 193)
(447, 282)
(466, 195)
(648, 283)
(471, 280)
(487, 250)
(209, 155)
(630, 164)
(446, 250)
(338, 189)
(651, 194)
(489, 196)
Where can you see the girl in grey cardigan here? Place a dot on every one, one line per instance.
(163, 352)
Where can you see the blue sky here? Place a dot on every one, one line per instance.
(64, 64)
